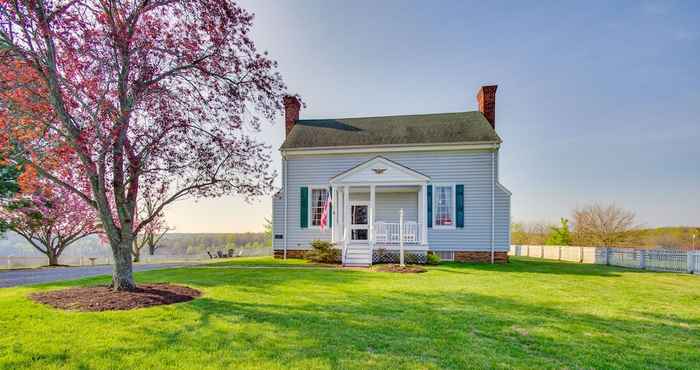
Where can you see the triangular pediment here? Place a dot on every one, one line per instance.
(379, 170)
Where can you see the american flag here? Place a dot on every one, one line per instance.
(326, 212)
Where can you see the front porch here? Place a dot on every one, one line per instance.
(373, 215)
(379, 206)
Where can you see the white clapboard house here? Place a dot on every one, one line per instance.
(431, 179)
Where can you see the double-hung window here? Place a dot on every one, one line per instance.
(318, 201)
(444, 206)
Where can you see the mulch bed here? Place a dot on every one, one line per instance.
(103, 298)
(408, 269)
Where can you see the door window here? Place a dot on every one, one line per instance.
(359, 215)
(360, 220)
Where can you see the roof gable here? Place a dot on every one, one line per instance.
(444, 128)
(379, 170)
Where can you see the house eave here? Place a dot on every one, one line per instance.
(391, 148)
(503, 188)
(415, 177)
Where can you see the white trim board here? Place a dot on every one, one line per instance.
(388, 148)
(505, 190)
(379, 170)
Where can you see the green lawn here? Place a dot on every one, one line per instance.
(526, 314)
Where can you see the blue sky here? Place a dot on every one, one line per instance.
(597, 101)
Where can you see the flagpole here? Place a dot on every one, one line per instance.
(401, 261)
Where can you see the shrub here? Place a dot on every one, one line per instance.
(323, 252)
(432, 259)
(559, 235)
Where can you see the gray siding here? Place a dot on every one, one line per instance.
(389, 204)
(278, 219)
(502, 224)
(471, 168)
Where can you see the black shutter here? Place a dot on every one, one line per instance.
(430, 206)
(459, 205)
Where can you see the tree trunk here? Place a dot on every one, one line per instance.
(122, 275)
(53, 259)
(151, 249)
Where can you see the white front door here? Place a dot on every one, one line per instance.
(359, 221)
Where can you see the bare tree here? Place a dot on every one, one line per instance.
(529, 233)
(667, 240)
(603, 225)
(150, 238)
(156, 229)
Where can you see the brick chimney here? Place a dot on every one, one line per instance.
(487, 103)
(291, 112)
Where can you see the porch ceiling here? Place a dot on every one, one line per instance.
(385, 189)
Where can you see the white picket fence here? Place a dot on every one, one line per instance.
(646, 259)
(563, 253)
(694, 262)
(14, 262)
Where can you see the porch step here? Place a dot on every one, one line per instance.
(356, 264)
(358, 255)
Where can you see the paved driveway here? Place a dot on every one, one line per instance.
(10, 278)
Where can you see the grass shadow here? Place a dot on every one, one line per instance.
(453, 316)
(429, 330)
(535, 266)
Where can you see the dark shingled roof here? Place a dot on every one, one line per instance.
(463, 127)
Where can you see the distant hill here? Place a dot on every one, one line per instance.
(674, 237)
(175, 244)
(182, 243)
(680, 237)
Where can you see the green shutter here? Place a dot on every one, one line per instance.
(304, 207)
(430, 206)
(459, 205)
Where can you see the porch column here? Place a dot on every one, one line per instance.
(334, 212)
(346, 214)
(341, 215)
(372, 198)
(423, 214)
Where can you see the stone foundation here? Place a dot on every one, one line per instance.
(471, 257)
(481, 257)
(291, 253)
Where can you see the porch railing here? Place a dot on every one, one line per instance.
(389, 232)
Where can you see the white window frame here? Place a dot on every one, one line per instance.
(310, 207)
(454, 205)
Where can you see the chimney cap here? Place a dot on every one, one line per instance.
(489, 88)
(291, 99)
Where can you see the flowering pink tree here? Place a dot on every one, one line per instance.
(50, 219)
(146, 95)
